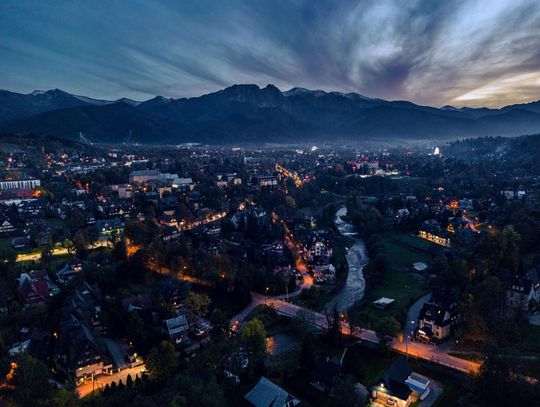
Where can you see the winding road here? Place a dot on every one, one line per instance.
(352, 291)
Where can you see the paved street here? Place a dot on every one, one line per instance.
(423, 351)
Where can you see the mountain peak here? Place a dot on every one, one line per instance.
(257, 114)
(297, 91)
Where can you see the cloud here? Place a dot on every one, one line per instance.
(462, 52)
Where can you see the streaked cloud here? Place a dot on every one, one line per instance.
(431, 52)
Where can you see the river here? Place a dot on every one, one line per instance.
(353, 289)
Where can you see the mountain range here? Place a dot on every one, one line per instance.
(250, 114)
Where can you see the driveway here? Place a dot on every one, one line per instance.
(412, 316)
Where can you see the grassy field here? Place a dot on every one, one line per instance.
(403, 287)
(398, 282)
(404, 250)
(373, 365)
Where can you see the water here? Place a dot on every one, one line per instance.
(353, 289)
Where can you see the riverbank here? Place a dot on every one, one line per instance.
(353, 289)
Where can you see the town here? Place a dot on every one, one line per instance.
(282, 275)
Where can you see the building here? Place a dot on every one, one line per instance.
(398, 386)
(143, 176)
(35, 288)
(432, 231)
(170, 233)
(318, 244)
(20, 243)
(32, 207)
(523, 292)
(437, 317)
(177, 328)
(69, 271)
(7, 225)
(419, 267)
(267, 394)
(225, 180)
(20, 184)
(184, 184)
(109, 228)
(81, 350)
(123, 190)
(262, 181)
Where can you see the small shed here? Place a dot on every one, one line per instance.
(382, 303)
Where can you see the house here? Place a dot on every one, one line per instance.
(7, 225)
(35, 288)
(438, 316)
(109, 228)
(391, 388)
(267, 394)
(523, 292)
(318, 244)
(212, 231)
(83, 355)
(81, 350)
(168, 205)
(194, 199)
(324, 272)
(507, 193)
(173, 291)
(85, 305)
(20, 243)
(32, 208)
(176, 328)
(33, 341)
(402, 212)
(69, 271)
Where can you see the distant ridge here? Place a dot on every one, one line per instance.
(251, 114)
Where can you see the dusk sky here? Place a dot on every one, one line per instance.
(430, 52)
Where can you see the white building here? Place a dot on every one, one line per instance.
(20, 184)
